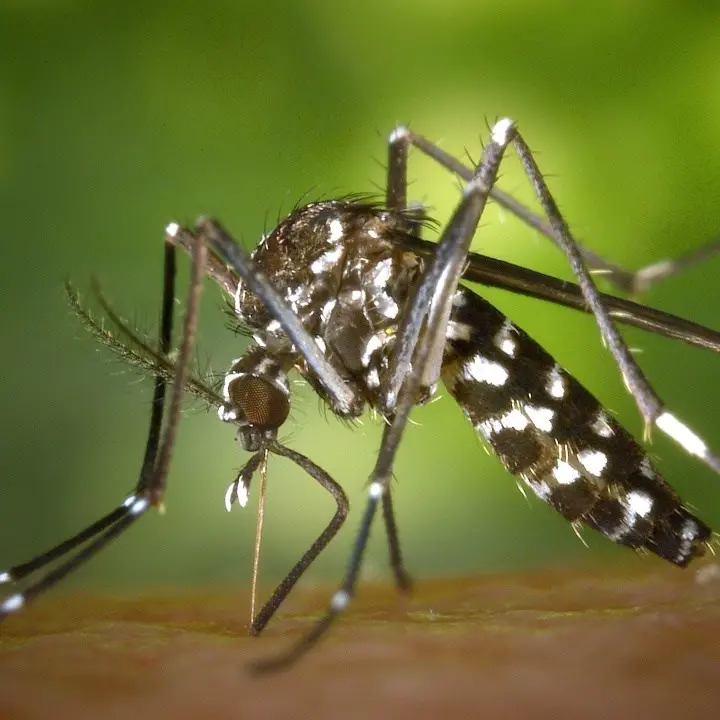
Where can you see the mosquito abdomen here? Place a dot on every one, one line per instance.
(550, 431)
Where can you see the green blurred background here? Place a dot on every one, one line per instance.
(116, 118)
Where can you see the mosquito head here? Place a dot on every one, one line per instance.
(252, 439)
(257, 398)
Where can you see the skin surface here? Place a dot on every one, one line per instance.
(636, 642)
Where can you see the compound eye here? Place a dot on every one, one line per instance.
(256, 392)
(258, 401)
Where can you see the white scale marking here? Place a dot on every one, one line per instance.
(129, 500)
(172, 229)
(682, 434)
(12, 603)
(336, 231)
(541, 417)
(297, 297)
(556, 383)
(636, 504)
(486, 371)
(230, 378)
(646, 468)
(594, 461)
(238, 300)
(458, 331)
(640, 503)
(374, 343)
(236, 490)
(688, 534)
(501, 130)
(340, 600)
(565, 473)
(227, 414)
(376, 490)
(513, 420)
(136, 504)
(327, 260)
(263, 367)
(382, 272)
(398, 134)
(689, 530)
(327, 310)
(541, 489)
(504, 340)
(139, 506)
(601, 425)
(391, 310)
(508, 346)
(242, 494)
(5, 577)
(229, 494)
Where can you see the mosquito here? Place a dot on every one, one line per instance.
(347, 293)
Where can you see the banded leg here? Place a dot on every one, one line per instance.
(211, 234)
(498, 273)
(630, 281)
(648, 402)
(153, 474)
(414, 366)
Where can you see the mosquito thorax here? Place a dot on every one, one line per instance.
(257, 397)
(340, 268)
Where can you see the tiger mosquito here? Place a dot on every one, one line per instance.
(348, 294)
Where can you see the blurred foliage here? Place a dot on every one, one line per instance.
(118, 117)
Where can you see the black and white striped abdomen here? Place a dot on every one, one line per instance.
(550, 431)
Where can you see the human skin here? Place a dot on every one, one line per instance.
(635, 642)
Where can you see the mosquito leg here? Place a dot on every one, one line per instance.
(121, 517)
(215, 268)
(629, 281)
(412, 366)
(160, 389)
(17, 601)
(396, 188)
(21, 571)
(650, 405)
(396, 199)
(341, 501)
(155, 482)
(100, 533)
(498, 273)
(639, 281)
(345, 402)
(402, 577)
